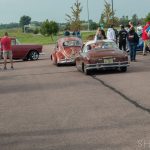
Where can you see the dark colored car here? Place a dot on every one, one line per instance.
(65, 50)
(104, 54)
(25, 51)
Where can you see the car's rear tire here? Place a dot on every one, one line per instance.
(34, 55)
(77, 66)
(123, 69)
(54, 60)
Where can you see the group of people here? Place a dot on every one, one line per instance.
(74, 33)
(6, 50)
(127, 37)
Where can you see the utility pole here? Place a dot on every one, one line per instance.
(88, 15)
(112, 4)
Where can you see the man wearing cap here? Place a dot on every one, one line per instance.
(145, 37)
(122, 38)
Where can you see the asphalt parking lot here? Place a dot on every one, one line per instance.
(44, 107)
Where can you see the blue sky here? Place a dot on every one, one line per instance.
(40, 10)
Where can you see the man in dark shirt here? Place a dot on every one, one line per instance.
(122, 38)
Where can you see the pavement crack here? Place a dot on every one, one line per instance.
(135, 103)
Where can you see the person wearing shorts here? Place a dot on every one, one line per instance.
(7, 51)
(145, 37)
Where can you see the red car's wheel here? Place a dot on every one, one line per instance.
(77, 66)
(54, 60)
(33, 55)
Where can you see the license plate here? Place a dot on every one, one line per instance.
(108, 61)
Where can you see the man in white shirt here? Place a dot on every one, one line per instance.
(111, 34)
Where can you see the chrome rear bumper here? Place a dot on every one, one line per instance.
(105, 66)
(66, 61)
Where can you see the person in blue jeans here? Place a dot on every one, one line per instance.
(133, 40)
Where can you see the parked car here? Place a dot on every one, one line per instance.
(65, 50)
(103, 54)
(25, 51)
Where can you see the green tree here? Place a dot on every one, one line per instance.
(102, 19)
(24, 20)
(54, 27)
(49, 28)
(147, 17)
(108, 16)
(74, 18)
(124, 20)
(9, 26)
(93, 25)
(135, 19)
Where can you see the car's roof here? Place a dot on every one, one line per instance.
(68, 38)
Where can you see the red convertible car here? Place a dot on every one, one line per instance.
(104, 54)
(65, 50)
(24, 51)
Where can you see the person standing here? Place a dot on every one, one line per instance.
(131, 25)
(145, 37)
(99, 35)
(103, 32)
(116, 34)
(133, 40)
(122, 38)
(139, 29)
(7, 50)
(111, 34)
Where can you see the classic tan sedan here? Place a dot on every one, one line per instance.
(103, 54)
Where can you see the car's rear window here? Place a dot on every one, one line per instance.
(108, 45)
(104, 45)
(72, 43)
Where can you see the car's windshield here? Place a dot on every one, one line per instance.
(72, 43)
(15, 42)
(18, 42)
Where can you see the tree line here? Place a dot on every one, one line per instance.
(73, 21)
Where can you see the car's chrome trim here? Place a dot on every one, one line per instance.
(42, 53)
(104, 65)
(64, 61)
